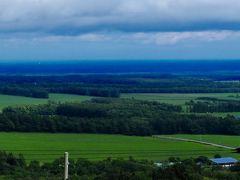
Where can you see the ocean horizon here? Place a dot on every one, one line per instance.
(118, 66)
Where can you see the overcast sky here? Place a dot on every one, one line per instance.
(119, 29)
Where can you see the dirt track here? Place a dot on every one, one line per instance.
(195, 141)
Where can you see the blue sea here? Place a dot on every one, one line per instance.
(117, 66)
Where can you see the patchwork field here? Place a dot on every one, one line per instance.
(6, 100)
(179, 99)
(47, 147)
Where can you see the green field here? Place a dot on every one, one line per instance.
(6, 100)
(177, 99)
(233, 141)
(181, 99)
(47, 147)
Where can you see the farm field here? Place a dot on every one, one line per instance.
(178, 99)
(47, 147)
(6, 100)
(233, 141)
(181, 99)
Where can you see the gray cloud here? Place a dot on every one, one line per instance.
(164, 38)
(157, 38)
(72, 17)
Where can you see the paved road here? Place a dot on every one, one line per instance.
(195, 141)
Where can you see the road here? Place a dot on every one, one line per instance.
(195, 141)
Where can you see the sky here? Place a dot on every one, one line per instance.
(119, 29)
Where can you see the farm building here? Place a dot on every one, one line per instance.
(225, 162)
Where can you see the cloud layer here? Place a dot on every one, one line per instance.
(71, 17)
(157, 38)
(119, 29)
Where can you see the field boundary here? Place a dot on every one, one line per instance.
(194, 141)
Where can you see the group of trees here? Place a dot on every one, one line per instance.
(87, 91)
(43, 92)
(213, 105)
(114, 116)
(15, 167)
(23, 91)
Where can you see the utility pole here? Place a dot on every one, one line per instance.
(66, 163)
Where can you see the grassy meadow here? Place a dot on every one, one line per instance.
(7, 100)
(46, 147)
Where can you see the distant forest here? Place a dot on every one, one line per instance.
(113, 85)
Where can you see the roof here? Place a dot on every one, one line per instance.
(227, 160)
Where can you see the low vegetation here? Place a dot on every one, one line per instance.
(15, 167)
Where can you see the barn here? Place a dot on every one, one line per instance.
(225, 162)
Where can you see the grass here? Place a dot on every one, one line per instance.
(181, 99)
(233, 141)
(6, 100)
(47, 147)
(177, 99)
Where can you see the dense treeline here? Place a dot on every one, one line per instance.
(15, 167)
(213, 105)
(112, 85)
(22, 91)
(114, 116)
(43, 92)
(87, 91)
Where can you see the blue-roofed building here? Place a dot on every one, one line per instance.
(225, 162)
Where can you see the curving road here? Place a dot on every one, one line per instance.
(195, 141)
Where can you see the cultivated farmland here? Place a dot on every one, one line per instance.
(47, 147)
(179, 99)
(7, 100)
